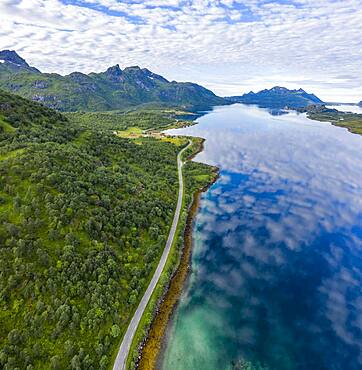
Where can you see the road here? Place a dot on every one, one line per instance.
(120, 362)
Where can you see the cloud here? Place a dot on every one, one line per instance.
(230, 46)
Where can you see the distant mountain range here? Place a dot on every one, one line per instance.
(278, 98)
(117, 89)
(113, 89)
(360, 103)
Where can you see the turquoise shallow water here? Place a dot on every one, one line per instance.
(276, 266)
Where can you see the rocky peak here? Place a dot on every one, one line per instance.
(11, 56)
(147, 72)
(133, 69)
(279, 89)
(13, 60)
(114, 74)
(134, 72)
(114, 71)
(153, 76)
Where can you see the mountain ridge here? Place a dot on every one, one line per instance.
(117, 88)
(15, 62)
(112, 89)
(278, 97)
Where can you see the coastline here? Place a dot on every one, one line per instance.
(348, 120)
(352, 127)
(149, 348)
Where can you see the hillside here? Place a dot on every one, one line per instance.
(113, 89)
(278, 98)
(83, 223)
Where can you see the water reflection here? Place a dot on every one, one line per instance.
(277, 259)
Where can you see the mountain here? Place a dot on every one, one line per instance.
(278, 97)
(10, 61)
(360, 104)
(113, 89)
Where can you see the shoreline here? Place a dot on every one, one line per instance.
(343, 124)
(151, 346)
(348, 120)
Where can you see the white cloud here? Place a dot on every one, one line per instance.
(230, 46)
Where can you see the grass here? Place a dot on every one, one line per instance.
(177, 140)
(12, 154)
(130, 133)
(5, 126)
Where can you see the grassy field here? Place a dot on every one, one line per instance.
(5, 126)
(130, 133)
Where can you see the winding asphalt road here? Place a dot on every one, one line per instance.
(120, 363)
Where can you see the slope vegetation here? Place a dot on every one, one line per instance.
(113, 89)
(84, 216)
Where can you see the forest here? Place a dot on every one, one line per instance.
(84, 218)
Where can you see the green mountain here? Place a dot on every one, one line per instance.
(278, 98)
(113, 89)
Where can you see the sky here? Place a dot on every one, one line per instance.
(229, 46)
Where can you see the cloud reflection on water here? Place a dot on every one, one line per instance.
(278, 258)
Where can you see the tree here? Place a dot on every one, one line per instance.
(69, 348)
(15, 337)
(115, 331)
(55, 363)
(75, 363)
(103, 363)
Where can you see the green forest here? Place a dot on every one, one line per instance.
(84, 219)
(109, 90)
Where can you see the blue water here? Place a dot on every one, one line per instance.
(276, 267)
